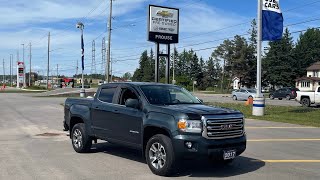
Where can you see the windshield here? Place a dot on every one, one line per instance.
(252, 91)
(168, 95)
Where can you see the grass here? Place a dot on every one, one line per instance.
(293, 115)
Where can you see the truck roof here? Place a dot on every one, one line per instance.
(139, 83)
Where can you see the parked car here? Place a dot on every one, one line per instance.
(166, 122)
(287, 93)
(243, 94)
(308, 98)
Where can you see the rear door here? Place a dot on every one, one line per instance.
(242, 94)
(103, 112)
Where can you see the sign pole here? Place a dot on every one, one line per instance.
(259, 101)
(168, 65)
(156, 64)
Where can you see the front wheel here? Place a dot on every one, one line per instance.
(305, 102)
(81, 141)
(271, 96)
(160, 155)
(288, 97)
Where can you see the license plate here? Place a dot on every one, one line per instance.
(231, 154)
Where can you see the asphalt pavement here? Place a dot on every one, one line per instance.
(227, 98)
(33, 146)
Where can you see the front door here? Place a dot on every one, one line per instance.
(317, 96)
(128, 120)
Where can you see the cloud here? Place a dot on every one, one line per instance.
(203, 18)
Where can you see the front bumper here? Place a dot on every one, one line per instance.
(207, 147)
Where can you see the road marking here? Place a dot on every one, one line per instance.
(280, 140)
(288, 161)
(270, 127)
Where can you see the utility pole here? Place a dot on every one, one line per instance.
(4, 73)
(18, 82)
(77, 68)
(57, 71)
(93, 63)
(24, 67)
(103, 55)
(109, 44)
(111, 70)
(10, 70)
(48, 65)
(30, 65)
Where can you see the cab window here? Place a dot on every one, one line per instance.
(106, 94)
(318, 89)
(125, 95)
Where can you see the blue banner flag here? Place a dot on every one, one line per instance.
(82, 51)
(272, 20)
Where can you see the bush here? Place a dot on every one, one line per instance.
(210, 89)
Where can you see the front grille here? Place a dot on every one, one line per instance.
(222, 127)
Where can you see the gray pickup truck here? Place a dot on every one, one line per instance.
(165, 121)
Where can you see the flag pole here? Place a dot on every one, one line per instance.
(259, 101)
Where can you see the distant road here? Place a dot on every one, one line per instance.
(226, 98)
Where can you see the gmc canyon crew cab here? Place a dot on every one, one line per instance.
(165, 121)
(308, 98)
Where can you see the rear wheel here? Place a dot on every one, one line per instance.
(81, 142)
(234, 97)
(160, 155)
(288, 97)
(305, 102)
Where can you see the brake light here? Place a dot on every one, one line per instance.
(292, 92)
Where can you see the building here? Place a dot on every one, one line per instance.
(312, 80)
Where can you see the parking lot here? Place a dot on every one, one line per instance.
(33, 146)
(227, 98)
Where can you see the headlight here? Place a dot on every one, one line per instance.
(193, 126)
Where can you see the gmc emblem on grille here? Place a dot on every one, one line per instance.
(226, 127)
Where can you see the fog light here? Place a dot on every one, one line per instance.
(189, 145)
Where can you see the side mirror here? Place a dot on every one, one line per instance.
(132, 103)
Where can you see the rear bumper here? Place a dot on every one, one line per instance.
(202, 147)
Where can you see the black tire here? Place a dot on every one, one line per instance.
(288, 97)
(280, 98)
(80, 139)
(305, 102)
(151, 151)
(271, 96)
(234, 97)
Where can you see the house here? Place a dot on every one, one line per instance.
(312, 80)
(236, 83)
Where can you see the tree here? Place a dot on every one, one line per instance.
(250, 79)
(278, 62)
(307, 51)
(143, 66)
(127, 76)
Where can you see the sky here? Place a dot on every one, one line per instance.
(204, 24)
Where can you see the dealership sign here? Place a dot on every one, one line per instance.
(163, 24)
(20, 73)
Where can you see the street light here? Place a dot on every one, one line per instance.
(81, 27)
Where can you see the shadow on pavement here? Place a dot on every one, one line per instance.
(206, 168)
(191, 168)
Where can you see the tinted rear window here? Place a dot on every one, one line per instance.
(106, 94)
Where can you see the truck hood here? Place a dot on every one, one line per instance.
(199, 109)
